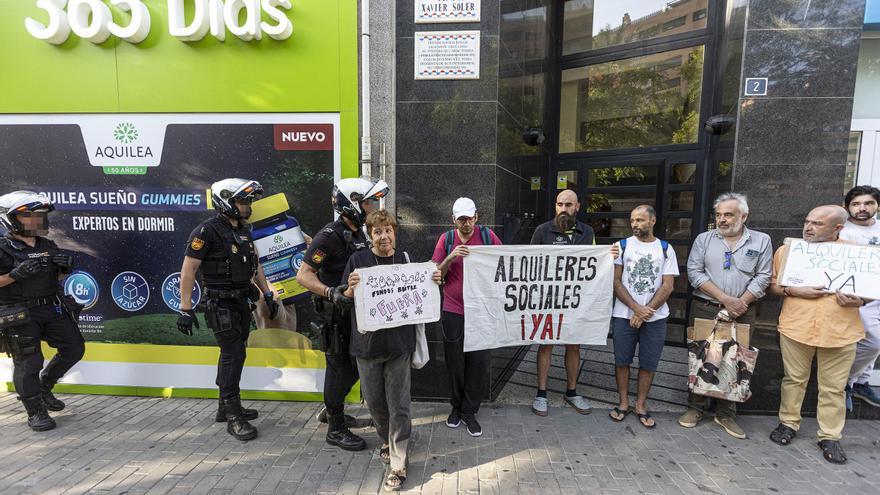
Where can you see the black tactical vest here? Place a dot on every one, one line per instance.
(237, 264)
(43, 284)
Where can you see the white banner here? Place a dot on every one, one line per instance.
(849, 268)
(518, 295)
(389, 296)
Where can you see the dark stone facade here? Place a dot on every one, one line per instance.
(791, 145)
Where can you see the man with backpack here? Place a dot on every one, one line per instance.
(643, 280)
(468, 371)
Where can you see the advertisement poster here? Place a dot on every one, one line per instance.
(129, 189)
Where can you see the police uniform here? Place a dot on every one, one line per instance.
(328, 254)
(50, 319)
(229, 262)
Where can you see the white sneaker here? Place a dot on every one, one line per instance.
(539, 406)
(579, 404)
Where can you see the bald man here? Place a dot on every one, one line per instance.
(564, 229)
(816, 323)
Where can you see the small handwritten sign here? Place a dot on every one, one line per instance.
(389, 296)
(834, 266)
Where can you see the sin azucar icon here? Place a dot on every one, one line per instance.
(197, 244)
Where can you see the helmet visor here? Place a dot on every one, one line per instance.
(370, 205)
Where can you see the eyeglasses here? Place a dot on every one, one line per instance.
(465, 220)
(728, 256)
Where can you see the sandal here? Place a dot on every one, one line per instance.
(385, 454)
(617, 414)
(832, 452)
(643, 420)
(783, 435)
(394, 481)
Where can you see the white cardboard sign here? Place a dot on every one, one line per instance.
(849, 268)
(389, 296)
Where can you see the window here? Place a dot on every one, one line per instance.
(592, 24)
(852, 161)
(630, 103)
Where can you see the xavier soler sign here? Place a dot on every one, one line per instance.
(92, 20)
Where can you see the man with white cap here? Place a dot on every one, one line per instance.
(468, 371)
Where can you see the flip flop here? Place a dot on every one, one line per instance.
(832, 452)
(391, 478)
(621, 413)
(645, 417)
(385, 454)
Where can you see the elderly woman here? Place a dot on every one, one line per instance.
(384, 356)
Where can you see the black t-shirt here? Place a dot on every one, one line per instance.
(330, 250)
(387, 341)
(548, 233)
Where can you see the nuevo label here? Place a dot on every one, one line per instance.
(304, 137)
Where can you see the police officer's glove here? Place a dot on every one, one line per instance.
(27, 269)
(64, 262)
(186, 320)
(272, 304)
(338, 298)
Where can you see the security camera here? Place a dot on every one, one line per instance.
(533, 136)
(719, 124)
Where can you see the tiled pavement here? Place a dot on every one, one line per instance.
(129, 445)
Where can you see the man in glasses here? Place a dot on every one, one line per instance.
(468, 371)
(729, 268)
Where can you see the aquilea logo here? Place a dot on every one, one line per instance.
(126, 134)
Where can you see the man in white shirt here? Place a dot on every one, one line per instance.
(862, 227)
(643, 279)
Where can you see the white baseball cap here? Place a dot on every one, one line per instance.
(464, 207)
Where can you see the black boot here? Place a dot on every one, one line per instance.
(38, 417)
(339, 435)
(236, 425)
(248, 414)
(350, 421)
(52, 402)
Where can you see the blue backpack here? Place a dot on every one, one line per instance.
(484, 234)
(663, 244)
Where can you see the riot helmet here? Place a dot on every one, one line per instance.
(354, 198)
(224, 193)
(25, 213)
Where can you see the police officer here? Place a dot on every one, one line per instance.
(222, 247)
(31, 308)
(321, 273)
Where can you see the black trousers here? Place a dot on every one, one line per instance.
(230, 319)
(341, 373)
(468, 371)
(56, 327)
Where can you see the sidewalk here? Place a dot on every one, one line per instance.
(132, 445)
